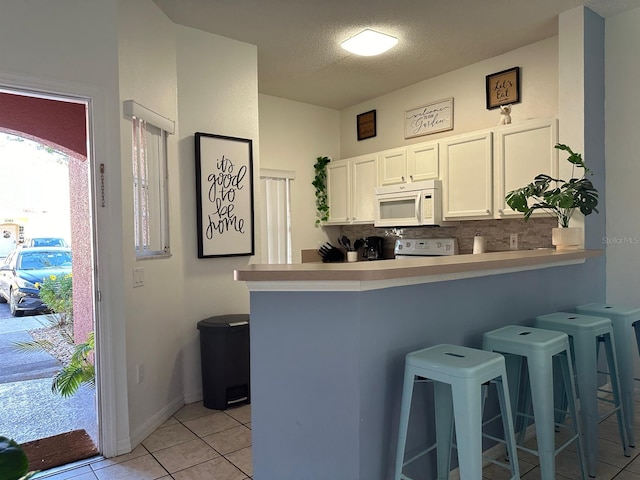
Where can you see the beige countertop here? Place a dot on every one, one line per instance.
(366, 275)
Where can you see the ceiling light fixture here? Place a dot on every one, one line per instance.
(369, 43)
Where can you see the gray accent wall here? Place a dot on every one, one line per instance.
(327, 367)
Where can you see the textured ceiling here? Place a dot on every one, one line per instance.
(298, 41)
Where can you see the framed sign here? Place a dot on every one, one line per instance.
(366, 125)
(430, 118)
(503, 88)
(224, 191)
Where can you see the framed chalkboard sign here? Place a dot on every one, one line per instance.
(224, 194)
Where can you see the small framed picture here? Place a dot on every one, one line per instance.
(503, 88)
(366, 125)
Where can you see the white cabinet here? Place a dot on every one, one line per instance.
(350, 190)
(467, 176)
(423, 161)
(338, 191)
(392, 166)
(413, 163)
(523, 151)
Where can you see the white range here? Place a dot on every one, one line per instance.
(425, 247)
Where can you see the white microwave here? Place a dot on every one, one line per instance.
(410, 204)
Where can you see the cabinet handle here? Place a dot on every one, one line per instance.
(488, 211)
(411, 177)
(402, 177)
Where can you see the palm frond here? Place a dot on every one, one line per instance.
(34, 346)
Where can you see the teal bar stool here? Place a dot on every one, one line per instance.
(585, 334)
(459, 375)
(626, 326)
(541, 349)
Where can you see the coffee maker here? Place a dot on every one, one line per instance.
(373, 248)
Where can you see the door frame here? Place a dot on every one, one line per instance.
(106, 331)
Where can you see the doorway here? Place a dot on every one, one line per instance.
(57, 124)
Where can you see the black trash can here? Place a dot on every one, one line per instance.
(224, 356)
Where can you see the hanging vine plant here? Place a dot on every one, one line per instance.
(320, 184)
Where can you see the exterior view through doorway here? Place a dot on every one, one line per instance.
(59, 125)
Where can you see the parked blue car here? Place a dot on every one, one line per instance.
(23, 268)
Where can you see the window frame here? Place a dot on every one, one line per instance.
(150, 181)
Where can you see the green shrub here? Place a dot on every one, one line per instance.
(57, 293)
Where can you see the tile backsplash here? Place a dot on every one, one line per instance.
(535, 233)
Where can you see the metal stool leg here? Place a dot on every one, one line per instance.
(405, 410)
(567, 376)
(444, 427)
(610, 349)
(542, 398)
(467, 405)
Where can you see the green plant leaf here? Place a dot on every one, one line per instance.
(555, 196)
(80, 371)
(13, 461)
(320, 185)
(33, 346)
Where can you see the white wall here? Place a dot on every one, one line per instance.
(538, 64)
(292, 136)
(622, 34)
(70, 47)
(218, 94)
(147, 56)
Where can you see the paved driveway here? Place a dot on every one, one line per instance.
(28, 409)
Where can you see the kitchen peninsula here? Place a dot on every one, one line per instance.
(328, 343)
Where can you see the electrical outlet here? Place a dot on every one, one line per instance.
(140, 373)
(513, 241)
(138, 277)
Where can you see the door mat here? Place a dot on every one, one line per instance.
(50, 452)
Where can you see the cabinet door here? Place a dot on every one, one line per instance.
(392, 166)
(338, 192)
(363, 183)
(467, 176)
(422, 161)
(522, 152)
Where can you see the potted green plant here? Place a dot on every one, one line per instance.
(558, 198)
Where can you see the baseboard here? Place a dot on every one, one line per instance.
(193, 397)
(148, 427)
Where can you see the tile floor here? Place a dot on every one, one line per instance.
(202, 444)
(612, 464)
(194, 444)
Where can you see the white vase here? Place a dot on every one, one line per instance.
(569, 238)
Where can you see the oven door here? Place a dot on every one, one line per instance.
(401, 209)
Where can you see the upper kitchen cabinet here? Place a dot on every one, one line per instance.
(392, 166)
(408, 164)
(523, 151)
(350, 190)
(338, 191)
(467, 176)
